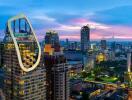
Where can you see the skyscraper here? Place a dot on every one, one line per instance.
(128, 74)
(57, 77)
(57, 80)
(103, 44)
(113, 46)
(85, 38)
(24, 70)
(67, 44)
(52, 37)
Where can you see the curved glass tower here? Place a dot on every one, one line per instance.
(26, 44)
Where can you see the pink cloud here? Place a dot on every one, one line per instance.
(98, 30)
(82, 21)
(79, 20)
(120, 32)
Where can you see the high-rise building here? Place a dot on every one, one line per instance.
(119, 47)
(129, 62)
(67, 44)
(103, 44)
(52, 37)
(57, 80)
(57, 77)
(1, 53)
(128, 75)
(113, 46)
(85, 38)
(24, 71)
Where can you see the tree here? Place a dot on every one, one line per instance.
(85, 96)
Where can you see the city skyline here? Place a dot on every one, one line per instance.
(105, 18)
(49, 70)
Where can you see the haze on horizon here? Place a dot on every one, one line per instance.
(68, 16)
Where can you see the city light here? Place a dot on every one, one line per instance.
(65, 50)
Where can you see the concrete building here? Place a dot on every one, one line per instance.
(103, 45)
(24, 71)
(52, 37)
(57, 79)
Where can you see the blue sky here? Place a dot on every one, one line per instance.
(105, 17)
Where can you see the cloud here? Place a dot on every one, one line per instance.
(44, 17)
(103, 17)
(67, 28)
(94, 25)
(71, 30)
(75, 25)
(114, 16)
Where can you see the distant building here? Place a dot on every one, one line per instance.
(72, 45)
(129, 61)
(67, 44)
(90, 63)
(93, 47)
(73, 55)
(74, 68)
(118, 47)
(101, 57)
(57, 79)
(52, 43)
(85, 38)
(128, 75)
(52, 37)
(1, 53)
(103, 44)
(113, 46)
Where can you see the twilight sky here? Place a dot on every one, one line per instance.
(107, 18)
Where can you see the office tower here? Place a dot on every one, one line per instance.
(103, 44)
(24, 70)
(113, 46)
(52, 37)
(85, 38)
(93, 47)
(56, 72)
(67, 44)
(72, 46)
(57, 77)
(119, 47)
